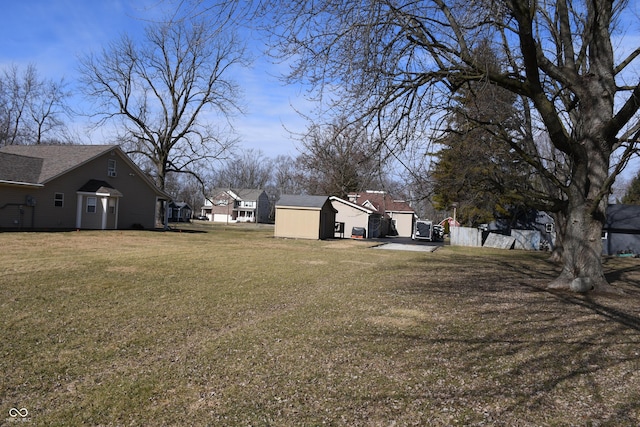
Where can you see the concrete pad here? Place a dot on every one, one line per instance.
(403, 247)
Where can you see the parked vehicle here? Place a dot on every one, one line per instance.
(427, 230)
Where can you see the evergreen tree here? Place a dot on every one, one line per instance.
(475, 169)
(632, 196)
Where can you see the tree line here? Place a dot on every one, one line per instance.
(494, 106)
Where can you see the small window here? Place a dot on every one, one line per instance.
(549, 228)
(91, 204)
(111, 168)
(58, 200)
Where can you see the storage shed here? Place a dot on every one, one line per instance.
(305, 217)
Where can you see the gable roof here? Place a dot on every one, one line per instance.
(303, 201)
(381, 202)
(180, 205)
(100, 187)
(39, 164)
(244, 194)
(53, 160)
(353, 205)
(249, 193)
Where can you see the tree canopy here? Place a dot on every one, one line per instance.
(475, 168)
(32, 108)
(171, 95)
(396, 64)
(338, 158)
(632, 196)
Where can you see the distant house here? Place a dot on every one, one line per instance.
(621, 231)
(399, 213)
(532, 229)
(75, 187)
(350, 215)
(305, 217)
(237, 205)
(179, 212)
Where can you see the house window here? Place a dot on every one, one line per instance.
(111, 168)
(91, 204)
(58, 200)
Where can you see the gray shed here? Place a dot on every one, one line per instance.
(621, 233)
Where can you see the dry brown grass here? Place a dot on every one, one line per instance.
(234, 327)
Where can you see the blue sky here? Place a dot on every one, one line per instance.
(52, 34)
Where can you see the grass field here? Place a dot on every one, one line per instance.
(226, 325)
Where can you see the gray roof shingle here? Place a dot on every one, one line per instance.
(17, 168)
(53, 160)
(302, 201)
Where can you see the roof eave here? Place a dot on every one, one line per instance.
(21, 184)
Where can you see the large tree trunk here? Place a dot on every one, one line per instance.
(557, 250)
(582, 269)
(582, 255)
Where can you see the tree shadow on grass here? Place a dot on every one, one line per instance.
(507, 345)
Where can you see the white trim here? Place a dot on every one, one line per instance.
(103, 224)
(20, 183)
(115, 222)
(353, 205)
(112, 167)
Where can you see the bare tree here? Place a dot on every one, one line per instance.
(31, 108)
(285, 177)
(338, 158)
(397, 63)
(171, 95)
(249, 169)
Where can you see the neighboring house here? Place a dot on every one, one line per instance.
(242, 205)
(75, 187)
(179, 212)
(621, 232)
(533, 230)
(350, 215)
(305, 217)
(399, 213)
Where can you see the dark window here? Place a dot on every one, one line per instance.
(58, 200)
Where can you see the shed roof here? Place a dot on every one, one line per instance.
(303, 201)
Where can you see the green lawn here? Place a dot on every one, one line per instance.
(226, 325)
